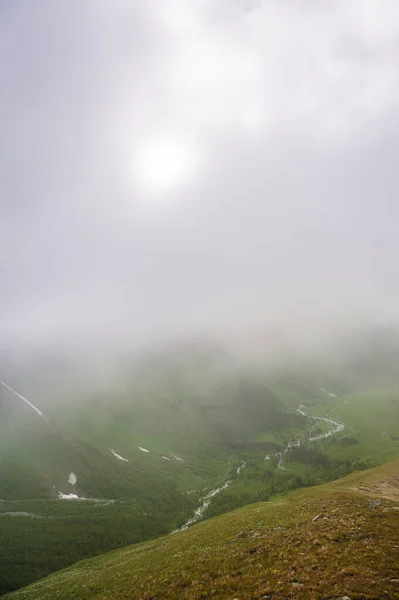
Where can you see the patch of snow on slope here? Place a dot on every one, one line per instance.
(177, 457)
(39, 412)
(72, 479)
(118, 456)
(22, 514)
(143, 449)
(165, 457)
(95, 501)
(330, 394)
(62, 496)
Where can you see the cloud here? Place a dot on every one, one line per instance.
(288, 112)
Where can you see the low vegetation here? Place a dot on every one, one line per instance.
(212, 429)
(332, 541)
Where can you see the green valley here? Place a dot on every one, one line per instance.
(338, 540)
(173, 440)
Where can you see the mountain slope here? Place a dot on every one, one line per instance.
(330, 541)
(141, 460)
(147, 448)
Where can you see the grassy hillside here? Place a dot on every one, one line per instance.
(371, 418)
(369, 437)
(185, 424)
(331, 541)
(177, 442)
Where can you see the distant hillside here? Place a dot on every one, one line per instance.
(140, 460)
(181, 434)
(338, 540)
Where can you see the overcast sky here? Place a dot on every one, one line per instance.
(170, 166)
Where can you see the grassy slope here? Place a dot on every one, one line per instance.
(372, 418)
(166, 420)
(149, 485)
(150, 493)
(324, 542)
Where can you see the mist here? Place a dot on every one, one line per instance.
(174, 169)
(199, 241)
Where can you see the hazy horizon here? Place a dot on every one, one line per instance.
(176, 169)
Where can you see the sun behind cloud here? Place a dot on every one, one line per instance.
(164, 162)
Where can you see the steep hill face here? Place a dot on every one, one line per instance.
(168, 441)
(82, 477)
(163, 430)
(334, 541)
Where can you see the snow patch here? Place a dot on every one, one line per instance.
(165, 457)
(330, 395)
(118, 456)
(72, 479)
(177, 457)
(39, 412)
(21, 514)
(143, 450)
(62, 496)
(102, 501)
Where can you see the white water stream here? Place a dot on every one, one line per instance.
(199, 512)
(335, 427)
(206, 500)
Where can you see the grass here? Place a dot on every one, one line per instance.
(324, 542)
(37, 455)
(372, 418)
(158, 495)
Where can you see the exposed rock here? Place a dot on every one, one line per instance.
(375, 503)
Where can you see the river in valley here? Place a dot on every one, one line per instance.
(333, 428)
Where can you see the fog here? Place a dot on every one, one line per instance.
(178, 168)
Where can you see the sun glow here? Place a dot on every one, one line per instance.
(163, 163)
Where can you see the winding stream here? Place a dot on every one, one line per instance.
(206, 500)
(199, 512)
(334, 427)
